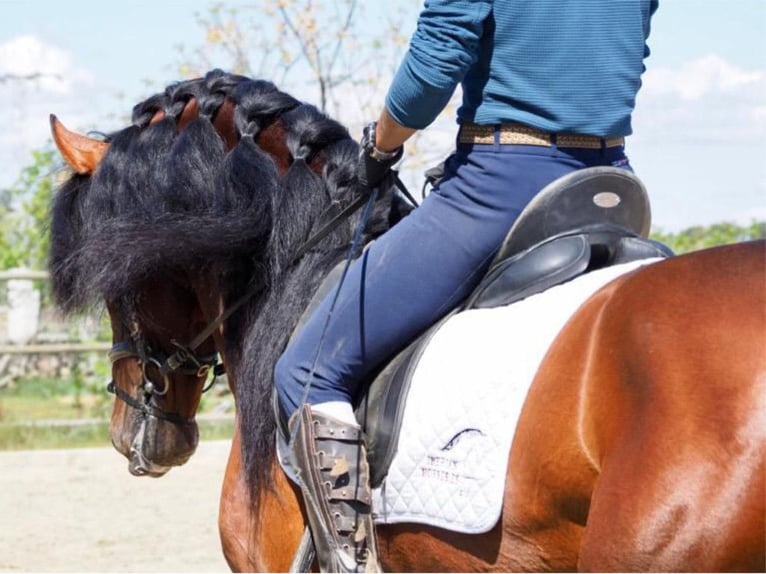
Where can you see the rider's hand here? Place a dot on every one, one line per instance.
(374, 164)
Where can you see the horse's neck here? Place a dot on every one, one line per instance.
(302, 285)
(266, 541)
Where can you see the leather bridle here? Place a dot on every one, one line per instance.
(184, 361)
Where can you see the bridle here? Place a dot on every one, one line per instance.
(183, 361)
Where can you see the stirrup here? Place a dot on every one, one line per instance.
(331, 458)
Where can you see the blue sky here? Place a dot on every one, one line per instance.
(700, 123)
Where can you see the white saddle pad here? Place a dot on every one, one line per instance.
(464, 401)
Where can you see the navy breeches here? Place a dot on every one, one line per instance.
(423, 267)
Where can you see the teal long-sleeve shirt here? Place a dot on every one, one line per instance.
(567, 66)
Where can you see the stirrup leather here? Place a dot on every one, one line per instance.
(335, 479)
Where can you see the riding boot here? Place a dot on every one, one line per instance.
(332, 461)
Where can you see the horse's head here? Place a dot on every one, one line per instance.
(157, 379)
(106, 247)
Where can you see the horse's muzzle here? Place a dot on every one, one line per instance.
(139, 466)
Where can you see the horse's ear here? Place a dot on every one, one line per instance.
(83, 154)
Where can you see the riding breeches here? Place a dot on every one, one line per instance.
(422, 268)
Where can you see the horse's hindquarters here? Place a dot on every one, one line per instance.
(672, 414)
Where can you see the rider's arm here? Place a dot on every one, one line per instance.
(390, 134)
(442, 50)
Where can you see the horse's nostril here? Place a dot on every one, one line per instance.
(136, 468)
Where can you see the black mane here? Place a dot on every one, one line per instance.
(161, 202)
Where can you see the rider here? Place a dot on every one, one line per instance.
(548, 88)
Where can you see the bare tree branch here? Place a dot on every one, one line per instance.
(341, 35)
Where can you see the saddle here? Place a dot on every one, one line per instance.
(589, 219)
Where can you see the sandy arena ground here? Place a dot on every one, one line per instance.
(81, 511)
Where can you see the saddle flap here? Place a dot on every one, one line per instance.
(381, 407)
(634, 248)
(531, 272)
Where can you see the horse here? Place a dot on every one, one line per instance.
(640, 444)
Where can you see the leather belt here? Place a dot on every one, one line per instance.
(523, 135)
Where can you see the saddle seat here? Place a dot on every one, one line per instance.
(589, 219)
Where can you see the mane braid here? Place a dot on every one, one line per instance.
(152, 205)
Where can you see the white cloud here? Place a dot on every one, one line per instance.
(700, 140)
(58, 85)
(55, 71)
(707, 99)
(702, 77)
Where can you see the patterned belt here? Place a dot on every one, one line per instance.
(518, 134)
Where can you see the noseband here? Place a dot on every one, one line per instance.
(183, 362)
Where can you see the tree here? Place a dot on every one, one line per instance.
(338, 54)
(701, 237)
(24, 237)
(322, 47)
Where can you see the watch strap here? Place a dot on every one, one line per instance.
(372, 150)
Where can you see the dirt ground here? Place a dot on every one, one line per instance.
(81, 511)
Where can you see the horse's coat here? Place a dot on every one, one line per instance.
(640, 445)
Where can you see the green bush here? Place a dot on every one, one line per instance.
(701, 237)
(24, 237)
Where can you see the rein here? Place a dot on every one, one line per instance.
(347, 211)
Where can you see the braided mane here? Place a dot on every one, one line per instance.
(166, 200)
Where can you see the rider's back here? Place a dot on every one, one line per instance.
(530, 68)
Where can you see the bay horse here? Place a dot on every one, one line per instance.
(640, 444)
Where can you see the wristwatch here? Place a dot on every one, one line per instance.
(368, 144)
